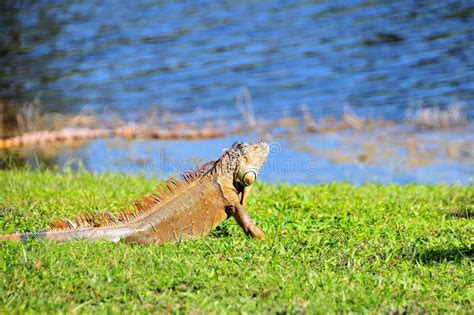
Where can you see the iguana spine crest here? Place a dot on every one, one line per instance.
(140, 207)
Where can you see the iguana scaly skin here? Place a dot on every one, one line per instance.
(181, 210)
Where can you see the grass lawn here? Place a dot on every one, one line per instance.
(329, 248)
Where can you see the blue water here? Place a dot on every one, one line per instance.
(377, 56)
(194, 57)
(285, 163)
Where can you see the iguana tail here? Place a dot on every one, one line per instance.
(23, 237)
(112, 226)
(111, 234)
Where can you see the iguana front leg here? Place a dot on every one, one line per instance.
(244, 195)
(243, 219)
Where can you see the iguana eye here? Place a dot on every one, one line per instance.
(249, 178)
(245, 159)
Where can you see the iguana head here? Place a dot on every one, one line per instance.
(244, 162)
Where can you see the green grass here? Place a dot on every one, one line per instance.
(329, 248)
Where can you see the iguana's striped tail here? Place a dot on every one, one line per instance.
(95, 226)
(23, 237)
(94, 234)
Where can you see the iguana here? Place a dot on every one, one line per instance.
(184, 209)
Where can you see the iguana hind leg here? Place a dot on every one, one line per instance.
(144, 238)
(243, 219)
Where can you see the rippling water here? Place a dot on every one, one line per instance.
(378, 56)
(194, 57)
(286, 162)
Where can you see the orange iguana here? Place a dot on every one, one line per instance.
(183, 209)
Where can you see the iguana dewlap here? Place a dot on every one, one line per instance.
(183, 209)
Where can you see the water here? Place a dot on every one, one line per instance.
(312, 158)
(194, 57)
(377, 56)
